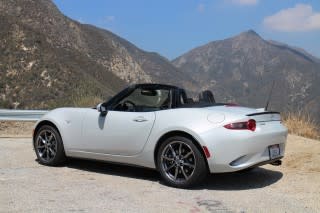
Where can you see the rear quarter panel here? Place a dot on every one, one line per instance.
(190, 120)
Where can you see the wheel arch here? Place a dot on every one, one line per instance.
(42, 123)
(182, 134)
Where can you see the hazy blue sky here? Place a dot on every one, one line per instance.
(174, 27)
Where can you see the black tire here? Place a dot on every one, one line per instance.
(47, 142)
(181, 175)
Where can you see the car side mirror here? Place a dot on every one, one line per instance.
(102, 109)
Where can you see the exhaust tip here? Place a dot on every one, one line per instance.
(276, 163)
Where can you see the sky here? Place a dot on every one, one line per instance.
(173, 27)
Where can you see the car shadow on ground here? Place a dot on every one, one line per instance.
(255, 178)
(114, 169)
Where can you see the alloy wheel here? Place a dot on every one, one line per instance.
(46, 145)
(178, 161)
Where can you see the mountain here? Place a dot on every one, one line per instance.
(49, 60)
(242, 69)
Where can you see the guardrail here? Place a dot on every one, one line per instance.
(21, 115)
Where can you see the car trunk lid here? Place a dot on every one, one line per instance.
(266, 116)
(238, 111)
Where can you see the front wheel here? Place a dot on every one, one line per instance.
(48, 146)
(180, 162)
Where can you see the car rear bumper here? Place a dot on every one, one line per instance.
(233, 150)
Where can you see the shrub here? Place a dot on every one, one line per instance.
(86, 101)
(302, 124)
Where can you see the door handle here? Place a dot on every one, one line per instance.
(140, 119)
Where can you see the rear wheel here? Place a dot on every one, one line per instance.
(180, 162)
(48, 146)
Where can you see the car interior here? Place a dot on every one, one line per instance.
(153, 99)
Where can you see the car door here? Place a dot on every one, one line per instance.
(122, 126)
(117, 132)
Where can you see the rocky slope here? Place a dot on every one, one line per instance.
(242, 69)
(49, 60)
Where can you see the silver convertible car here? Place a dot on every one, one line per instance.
(158, 126)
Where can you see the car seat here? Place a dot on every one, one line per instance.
(207, 96)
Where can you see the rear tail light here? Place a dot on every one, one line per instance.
(249, 125)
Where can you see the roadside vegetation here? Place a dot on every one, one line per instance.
(84, 96)
(86, 101)
(302, 124)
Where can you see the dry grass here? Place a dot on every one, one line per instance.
(301, 123)
(86, 101)
(84, 96)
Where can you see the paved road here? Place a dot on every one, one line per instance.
(85, 186)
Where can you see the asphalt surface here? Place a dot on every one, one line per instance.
(87, 186)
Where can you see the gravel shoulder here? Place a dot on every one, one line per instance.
(87, 186)
(16, 129)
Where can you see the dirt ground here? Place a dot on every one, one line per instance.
(16, 129)
(87, 186)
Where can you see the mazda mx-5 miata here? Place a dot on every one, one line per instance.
(158, 126)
